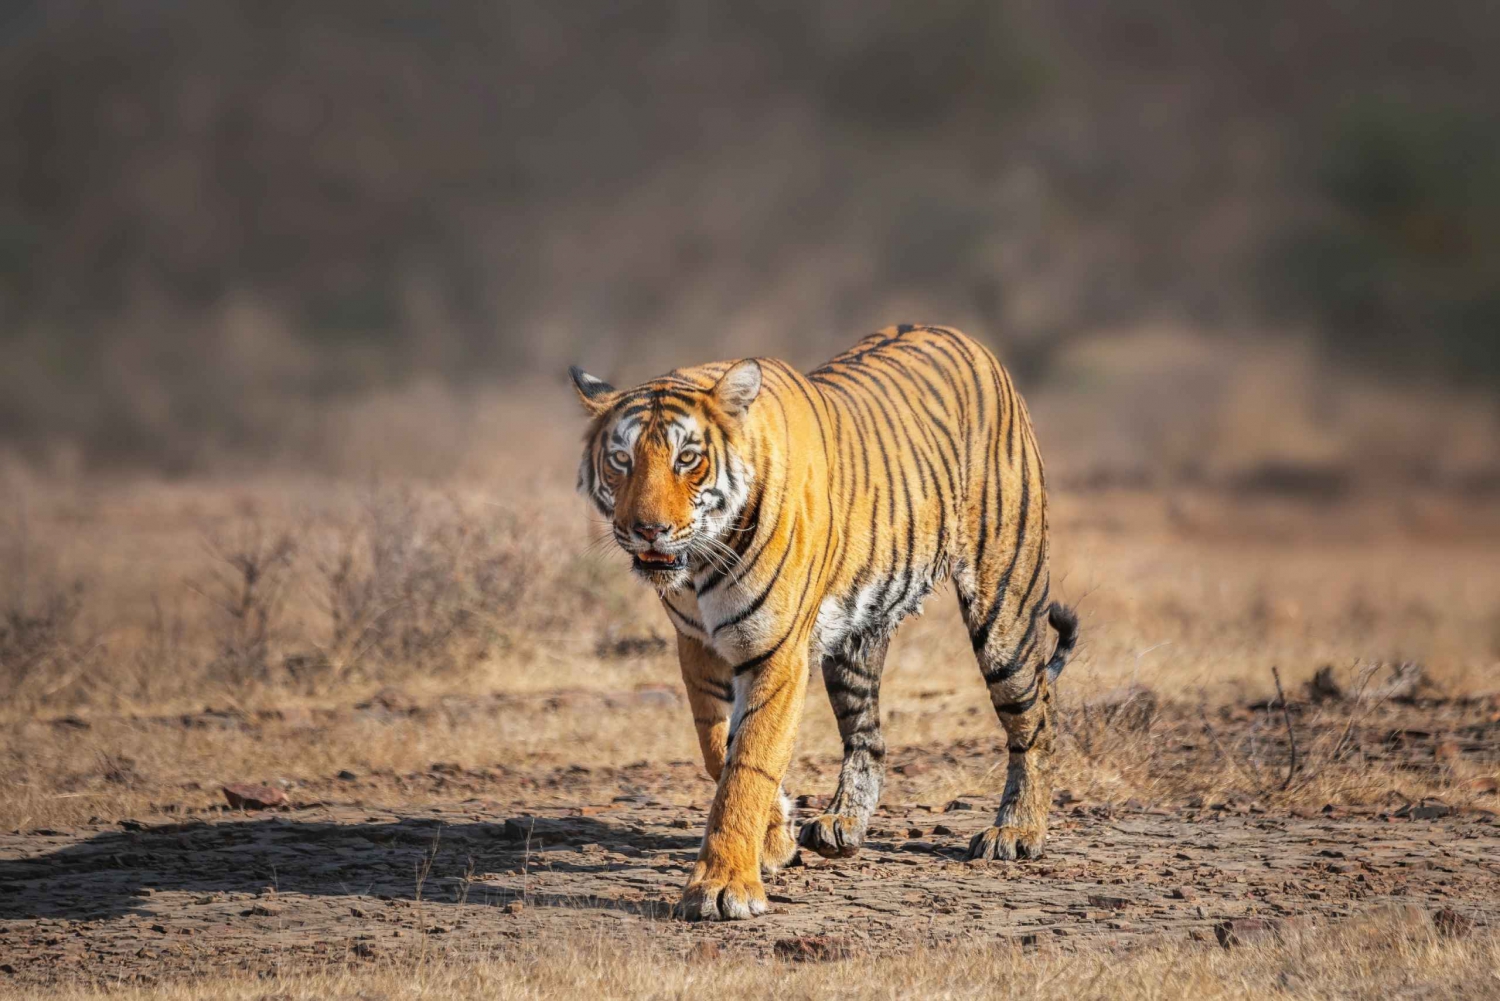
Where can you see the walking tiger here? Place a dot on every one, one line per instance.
(787, 520)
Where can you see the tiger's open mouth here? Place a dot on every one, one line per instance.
(652, 560)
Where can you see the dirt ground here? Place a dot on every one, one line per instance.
(349, 871)
(492, 788)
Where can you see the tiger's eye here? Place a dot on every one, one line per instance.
(620, 458)
(688, 458)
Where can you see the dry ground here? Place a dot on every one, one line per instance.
(415, 666)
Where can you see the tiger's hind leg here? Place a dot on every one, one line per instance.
(1009, 637)
(853, 684)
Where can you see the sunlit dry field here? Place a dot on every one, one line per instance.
(443, 635)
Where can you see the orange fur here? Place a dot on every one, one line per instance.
(788, 519)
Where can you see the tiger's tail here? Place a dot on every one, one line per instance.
(1065, 622)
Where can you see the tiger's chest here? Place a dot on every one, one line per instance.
(738, 625)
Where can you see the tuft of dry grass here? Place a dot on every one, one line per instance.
(1397, 953)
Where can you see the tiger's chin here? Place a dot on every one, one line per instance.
(663, 571)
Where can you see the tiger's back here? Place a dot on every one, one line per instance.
(821, 509)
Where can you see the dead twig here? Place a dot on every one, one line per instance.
(1291, 736)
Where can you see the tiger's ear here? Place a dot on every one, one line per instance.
(738, 387)
(596, 394)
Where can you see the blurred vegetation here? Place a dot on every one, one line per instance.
(214, 214)
(1402, 267)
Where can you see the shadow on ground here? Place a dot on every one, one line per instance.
(115, 872)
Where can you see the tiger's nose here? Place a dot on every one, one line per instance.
(650, 532)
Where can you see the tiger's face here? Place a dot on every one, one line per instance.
(663, 463)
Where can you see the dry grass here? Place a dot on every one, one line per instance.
(1394, 954)
(145, 598)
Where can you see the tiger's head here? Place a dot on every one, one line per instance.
(664, 463)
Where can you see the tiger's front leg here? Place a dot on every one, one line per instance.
(709, 680)
(749, 816)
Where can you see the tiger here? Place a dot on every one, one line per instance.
(787, 520)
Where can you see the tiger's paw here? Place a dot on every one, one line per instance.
(716, 897)
(778, 851)
(832, 835)
(1008, 843)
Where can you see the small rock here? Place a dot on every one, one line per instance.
(514, 907)
(364, 950)
(1430, 811)
(358, 912)
(957, 805)
(260, 911)
(1323, 687)
(1243, 931)
(1183, 893)
(812, 949)
(244, 796)
(942, 830)
(914, 832)
(592, 849)
(518, 828)
(1451, 924)
(703, 951)
(347, 776)
(1108, 903)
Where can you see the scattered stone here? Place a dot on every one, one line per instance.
(358, 912)
(812, 949)
(244, 796)
(914, 832)
(1107, 903)
(1451, 924)
(364, 950)
(942, 830)
(514, 907)
(1406, 683)
(957, 805)
(1183, 893)
(1244, 931)
(260, 911)
(518, 828)
(346, 775)
(1322, 687)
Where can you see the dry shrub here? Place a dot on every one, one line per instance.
(248, 589)
(419, 585)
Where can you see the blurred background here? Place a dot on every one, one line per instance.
(288, 291)
(1244, 240)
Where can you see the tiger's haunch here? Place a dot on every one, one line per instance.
(786, 519)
